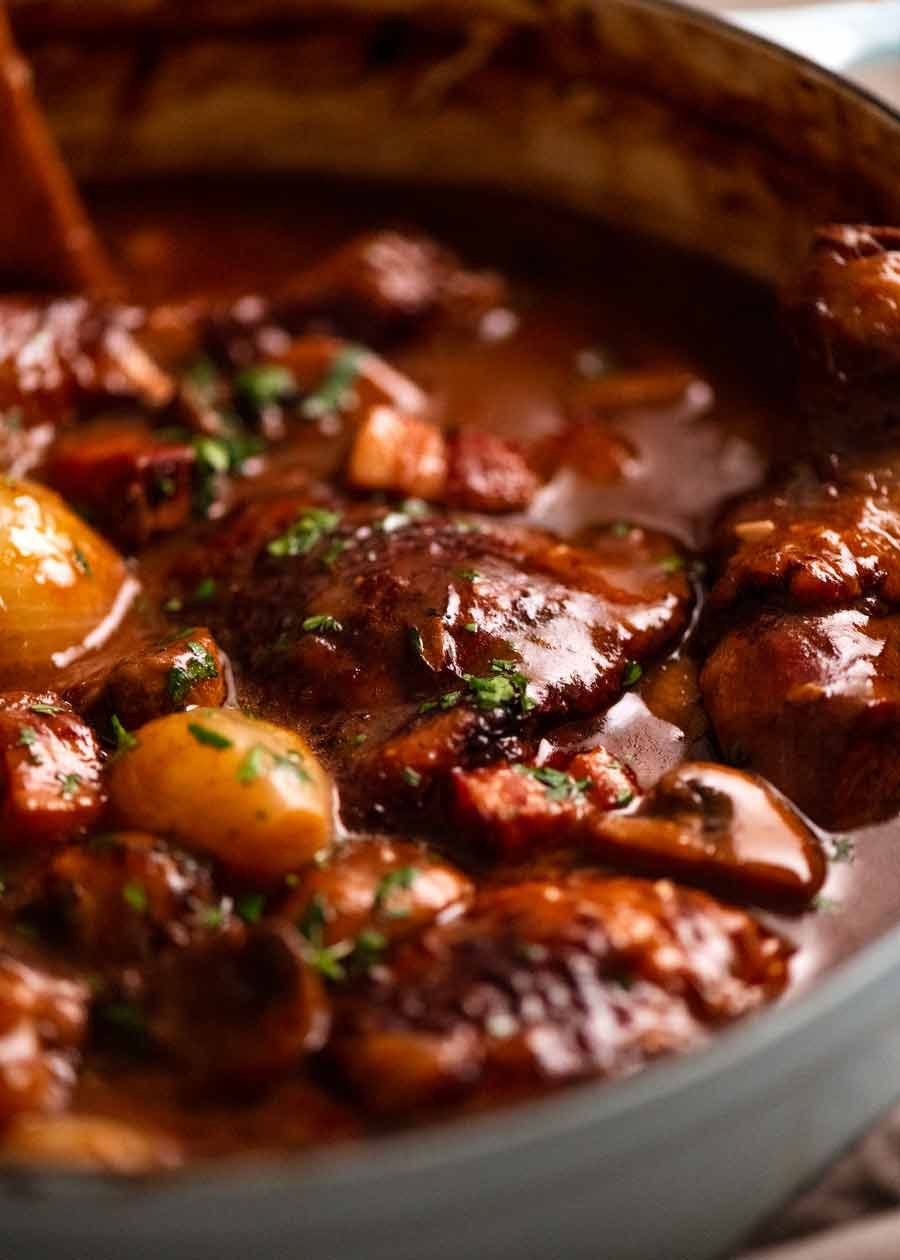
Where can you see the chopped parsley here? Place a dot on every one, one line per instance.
(252, 764)
(843, 849)
(125, 741)
(45, 708)
(135, 896)
(258, 759)
(559, 785)
(411, 776)
(672, 564)
(264, 385)
(205, 589)
(470, 575)
(212, 917)
(199, 668)
(332, 553)
(632, 674)
(322, 623)
(174, 604)
(471, 627)
(81, 562)
(826, 905)
(216, 456)
(306, 532)
(505, 686)
(401, 879)
(620, 529)
(311, 923)
(625, 797)
(203, 735)
(28, 738)
(367, 949)
(333, 393)
(68, 785)
(251, 906)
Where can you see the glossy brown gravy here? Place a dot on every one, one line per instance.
(580, 294)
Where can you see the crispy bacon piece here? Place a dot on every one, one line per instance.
(43, 1020)
(399, 453)
(179, 674)
(130, 481)
(485, 473)
(519, 809)
(50, 762)
(545, 982)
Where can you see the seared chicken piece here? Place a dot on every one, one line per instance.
(544, 982)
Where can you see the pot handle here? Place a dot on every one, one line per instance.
(853, 37)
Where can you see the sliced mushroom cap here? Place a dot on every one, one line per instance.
(723, 826)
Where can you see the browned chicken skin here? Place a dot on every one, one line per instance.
(547, 982)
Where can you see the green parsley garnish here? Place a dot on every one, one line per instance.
(332, 553)
(620, 529)
(334, 392)
(135, 896)
(412, 777)
(367, 949)
(205, 589)
(826, 905)
(505, 685)
(203, 735)
(394, 881)
(200, 668)
(632, 674)
(28, 738)
(307, 532)
(322, 623)
(212, 917)
(251, 906)
(69, 785)
(82, 562)
(175, 604)
(311, 923)
(264, 385)
(125, 741)
(470, 575)
(625, 797)
(259, 758)
(471, 627)
(843, 849)
(45, 708)
(560, 786)
(672, 564)
(252, 764)
(216, 456)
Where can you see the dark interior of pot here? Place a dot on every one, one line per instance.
(450, 646)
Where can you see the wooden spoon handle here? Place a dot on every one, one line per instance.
(46, 237)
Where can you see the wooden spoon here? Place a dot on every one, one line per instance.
(46, 237)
